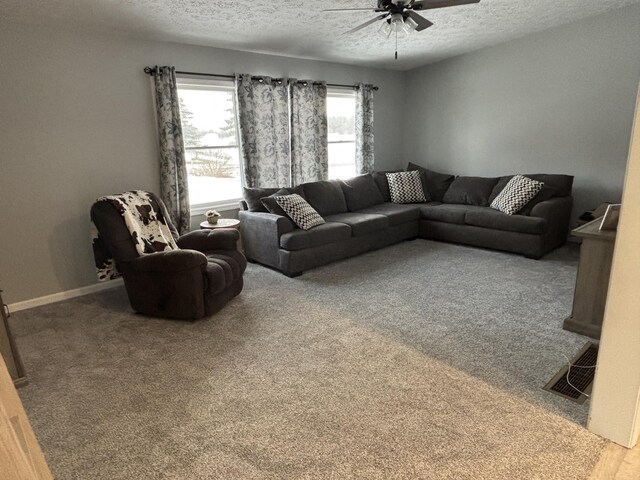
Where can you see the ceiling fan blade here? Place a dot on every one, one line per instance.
(430, 4)
(366, 24)
(350, 9)
(422, 22)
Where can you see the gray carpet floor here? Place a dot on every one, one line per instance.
(424, 360)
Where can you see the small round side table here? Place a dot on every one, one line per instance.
(224, 223)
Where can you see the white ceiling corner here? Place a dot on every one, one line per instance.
(300, 29)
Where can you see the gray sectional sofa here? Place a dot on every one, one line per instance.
(360, 217)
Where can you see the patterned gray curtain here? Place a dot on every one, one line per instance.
(174, 187)
(364, 129)
(309, 154)
(263, 116)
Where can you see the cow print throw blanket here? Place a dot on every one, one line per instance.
(148, 227)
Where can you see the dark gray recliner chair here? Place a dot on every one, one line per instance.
(193, 282)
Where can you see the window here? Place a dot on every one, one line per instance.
(209, 126)
(341, 120)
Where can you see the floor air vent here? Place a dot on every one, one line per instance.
(575, 383)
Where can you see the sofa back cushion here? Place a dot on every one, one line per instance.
(554, 186)
(361, 192)
(561, 183)
(383, 184)
(423, 178)
(470, 191)
(436, 184)
(325, 197)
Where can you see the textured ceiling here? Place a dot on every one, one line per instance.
(299, 28)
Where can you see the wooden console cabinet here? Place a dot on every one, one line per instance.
(592, 282)
(20, 454)
(8, 349)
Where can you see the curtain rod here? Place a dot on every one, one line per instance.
(152, 71)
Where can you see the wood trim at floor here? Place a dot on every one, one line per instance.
(66, 295)
(618, 463)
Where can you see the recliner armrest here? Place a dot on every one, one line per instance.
(205, 240)
(171, 261)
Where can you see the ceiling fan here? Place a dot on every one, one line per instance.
(399, 16)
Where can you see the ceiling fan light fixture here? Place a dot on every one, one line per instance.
(409, 25)
(397, 23)
(386, 28)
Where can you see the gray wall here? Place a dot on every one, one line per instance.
(560, 101)
(77, 122)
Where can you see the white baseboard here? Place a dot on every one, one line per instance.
(58, 297)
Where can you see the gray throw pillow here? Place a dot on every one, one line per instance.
(271, 204)
(253, 197)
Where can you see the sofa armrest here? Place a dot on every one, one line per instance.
(553, 208)
(206, 240)
(557, 212)
(261, 234)
(267, 223)
(171, 261)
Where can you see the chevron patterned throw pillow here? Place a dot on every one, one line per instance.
(406, 187)
(297, 208)
(516, 194)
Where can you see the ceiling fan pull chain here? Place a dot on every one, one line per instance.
(396, 44)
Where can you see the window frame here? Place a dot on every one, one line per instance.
(342, 92)
(199, 83)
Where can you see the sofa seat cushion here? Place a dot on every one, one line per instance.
(490, 218)
(360, 223)
(396, 214)
(321, 235)
(447, 213)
